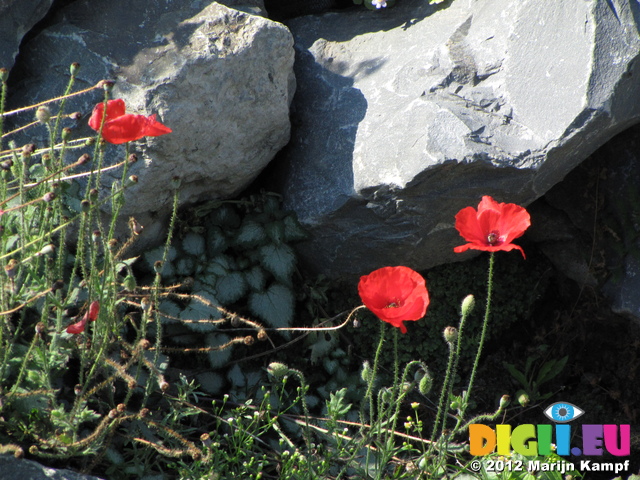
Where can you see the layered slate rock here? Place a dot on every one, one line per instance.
(404, 116)
(17, 18)
(220, 78)
(26, 469)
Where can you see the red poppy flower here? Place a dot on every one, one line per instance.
(90, 316)
(121, 127)
(492, 227)
(395, 295)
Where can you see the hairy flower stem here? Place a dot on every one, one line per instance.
(487, 312)
(441, 413)
(370, 382)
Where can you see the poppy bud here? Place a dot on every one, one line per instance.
(523, 398)
(135, 227)
(77, 390)
(28, 149)
(75, 116)
(450, 334)
(86, 206)
(175, 182)
(132, 180)
(47, 249)
(66, 134)
(366, 372)
(425, 384)
(133, 158)
(93, 194)
(504, 401)
(467, 305)
(278, 370)
(145, 304)
(249, 340)
(84, 158)
(144, 412)
(113, 414)
(57, 285)
(49, 197)
(262, 335)
(164, 385)
(113, 245)
(129, 283)
(157, 267)
(43, 114)
(40, 328)
(95, 236)
(4, 74)
(73, 69)
(206, 439)
(10, 268)
(7, 164)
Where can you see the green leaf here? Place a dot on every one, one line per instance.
(293, 230)
(515, 373)
(193, 244)
(197, 315)
(275, 231)
(251, 233)
(551, 369)
(278, 259)
(231, 288)
(274, 306)
(185, 266)
(216, 241)
(218, 357)
(225, 216)
(236, 377)
(322, 346)
(255, 278)
(210, 382)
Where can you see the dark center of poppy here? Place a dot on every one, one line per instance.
(493, 238)
(394, 304)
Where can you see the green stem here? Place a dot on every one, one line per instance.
(487, 312)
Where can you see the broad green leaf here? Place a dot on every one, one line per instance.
(293, 231)
(275, 231)
(225, 216)
(210, 382)
(218, 356)
(231, 288)
(198, 316)
(216, 241)
(278, 259)
(255, 278)
(193, 244)
(250, 234)
(274, 306)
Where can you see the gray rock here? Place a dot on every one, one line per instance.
(404, 116)
(12, 469)
(17, 17)
(221, 79)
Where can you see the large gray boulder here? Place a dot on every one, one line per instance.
(404, 116)
(220, 78)
(12, 468)
(17, 17)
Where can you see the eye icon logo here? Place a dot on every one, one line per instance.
(563, 412)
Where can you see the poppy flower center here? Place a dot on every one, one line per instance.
(394, 304)
(493, 238)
